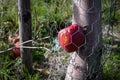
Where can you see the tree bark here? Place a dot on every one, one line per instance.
(85, 63)
(25, 32)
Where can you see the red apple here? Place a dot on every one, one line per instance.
(16, 49)
(71, 37)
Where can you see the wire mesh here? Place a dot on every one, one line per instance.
(48, 18)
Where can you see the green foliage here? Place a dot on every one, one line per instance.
(111, 16)
(111, 68)
(11, 69)
(48, 17)
(112, 60)
(8, 17)
(110, 12)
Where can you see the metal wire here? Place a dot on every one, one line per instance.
(58, 68)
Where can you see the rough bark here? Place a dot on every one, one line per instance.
(85, 63)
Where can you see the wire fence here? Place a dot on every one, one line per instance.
(91, 44)
(48, 18)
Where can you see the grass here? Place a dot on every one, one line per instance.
(44, 16)
(111, 57)
(112, 66)
(48, 17)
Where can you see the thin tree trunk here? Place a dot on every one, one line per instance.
(25, 32)
(85, 63)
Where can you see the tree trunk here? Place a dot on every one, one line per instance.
(25, 32)
(85, 63)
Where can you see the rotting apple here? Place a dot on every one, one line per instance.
(71, 37)
(16, 49)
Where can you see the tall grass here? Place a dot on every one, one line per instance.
(48, 17)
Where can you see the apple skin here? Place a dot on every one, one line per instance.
(16, 50)
(71, 37)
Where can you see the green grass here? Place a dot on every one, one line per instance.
(44, 16)
(111, 58)
(48, 17)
